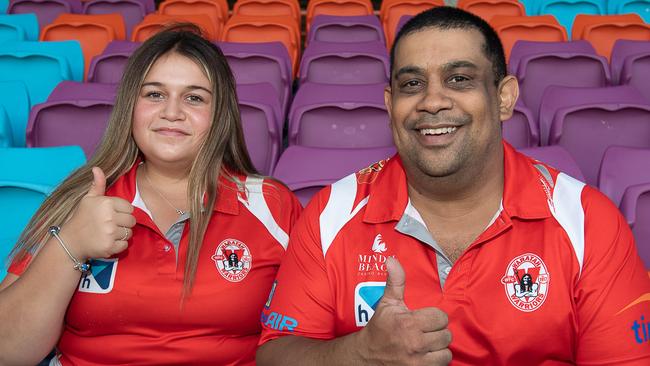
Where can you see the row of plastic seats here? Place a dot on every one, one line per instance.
(572, 7)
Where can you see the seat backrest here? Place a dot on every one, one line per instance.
(557, 157)
(604, 30)
(18, 27)
(524, 48)
(154, 22)
(108, 66)
(621, 168)
(334, 28)
(211, 8)
(486, 9)
(586, 121)
(46, 10)
(624, 48)
(325, 115)
(337, 7)
(635, 206)
(306, 170)
(566, 10)
(345, 63)
(75, 114)
(6, 133)
(14, 100)
(636, 73)
(630, 6)
(287, 8)
(531, 28)
(132, 11)
(521, 130)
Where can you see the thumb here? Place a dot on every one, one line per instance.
(395, 281)
(98, 188)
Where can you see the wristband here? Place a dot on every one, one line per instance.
(79, 266)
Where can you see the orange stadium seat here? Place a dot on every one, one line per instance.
(543, 28)
(216, 10)
(486, 9)
(289, 8)
(337, 7)
(602, 31)
(93, 32)
(152, 23)
(392, 10)
(251, 29)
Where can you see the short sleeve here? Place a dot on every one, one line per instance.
(301, 301)
(18, 267)
(613, 292)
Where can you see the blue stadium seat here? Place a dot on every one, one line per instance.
(566, 10)
(27, 176)
(4, 4)
(15, 102)
(6, 135)
(641, 7)
(18, 27)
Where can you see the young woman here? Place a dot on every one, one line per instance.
(182, 237)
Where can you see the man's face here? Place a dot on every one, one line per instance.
(444, 105)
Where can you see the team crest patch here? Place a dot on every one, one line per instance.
(369, 174)
(100, 278)
(233, 259)
(526, 282)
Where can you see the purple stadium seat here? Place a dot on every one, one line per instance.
(344, 63)
(623, 167)
(108, 66)
(338, 116)
(262, 119)
(402, 20)
(631, 64)
(537, 71)
(332, 28)
(74, 114)
(521, 130)
(306, 170)
(586, 121)
(557, 157)
(524, 48)
(636, 209)
(46, 10)
(253, 63)
(624, 48)
(133, 11)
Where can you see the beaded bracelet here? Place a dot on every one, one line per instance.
(79, 266)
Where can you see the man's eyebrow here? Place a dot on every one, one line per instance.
(459, 64)
(189, 87)
(408, 70)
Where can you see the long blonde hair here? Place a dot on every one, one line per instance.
(223, 147)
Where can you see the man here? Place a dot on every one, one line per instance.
(468, 218)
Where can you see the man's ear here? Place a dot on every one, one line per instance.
(508, 94)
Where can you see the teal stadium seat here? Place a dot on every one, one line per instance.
(41, 65)
(641, 7)
(18, 27)
(27, 176)
(531, 6)
(566, 10)
(6, 135)
(15, 102)
(4, 4)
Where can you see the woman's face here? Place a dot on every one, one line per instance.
(172, 114)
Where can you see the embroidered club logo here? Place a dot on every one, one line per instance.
(379, 245)
(369, 174)
(233, 259)
(526, 282)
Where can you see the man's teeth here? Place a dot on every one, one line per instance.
(437, 131)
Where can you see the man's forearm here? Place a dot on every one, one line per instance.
(293, 350)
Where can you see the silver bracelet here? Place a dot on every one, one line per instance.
(79, 266)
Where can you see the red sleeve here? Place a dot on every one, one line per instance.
(301, 302)
(613, 292)
(19, 267)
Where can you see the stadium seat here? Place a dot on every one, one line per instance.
(486, 9)
(526, 48)
(531, 6)
(154, 22)
(635, 65)
(402, 21)
(27, 176)
(521, 130)
(557, 157)
(108, 66)
(604, 30)
(4, 4)
(46, 10)
(640, 7)
(565, 11)
(586, 121)
(636, 209)
(216, 10)
(132, 11)
(265, 29)
(623, 49)
(537, 71)
(338, 116)
(286, 8)
(391, 11)
(18, 27)
(262, 124)
(74, 114)
(14, 100)
(530, 28)
(40, 65)
(253, 63)
(6, 132)
(93, 32)
(337, 7)
(345, 63)
(333, 28)
(306, 170)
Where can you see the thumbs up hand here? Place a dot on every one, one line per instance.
(100, 226)
(396, 335)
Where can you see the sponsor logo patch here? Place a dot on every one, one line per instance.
(233, 259)
(641, 330)
(366, 298)
(374, 263)
(526, 282)
(100, 278)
